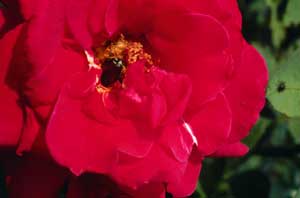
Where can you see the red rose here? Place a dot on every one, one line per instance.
(11, 113)
(138, 90)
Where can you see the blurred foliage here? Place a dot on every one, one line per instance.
(2, 5)
(272, 168)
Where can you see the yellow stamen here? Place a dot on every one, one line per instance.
(128, 51)
(119, 54)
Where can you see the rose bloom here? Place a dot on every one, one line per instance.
(140, 91)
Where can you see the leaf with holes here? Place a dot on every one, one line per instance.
(284, 86)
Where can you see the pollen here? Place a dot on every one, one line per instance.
(114, 56)
(128, 51)
(136, 52)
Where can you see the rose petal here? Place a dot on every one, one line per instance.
(187, 185)
(231, 150)
(11, 117)
(44, 33)
(152, 190)
(177, 140)
(212, 125)
(250, 75)
(82, 153)
(130, 16)
(177, 90)
(96, 18)
(29, 133)
(163, 95)
(77, 17)
(66, 64)
(11, 114)
(226, 11)
(95, 109)
(142, 99)
(198, 42)
(156, 166)
(112, 23)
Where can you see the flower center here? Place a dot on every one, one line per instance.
(114, 56)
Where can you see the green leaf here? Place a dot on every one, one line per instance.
(294, 126)
(266, 52)
(200, 191)
(277, 27)
(279, 134)
(292, 14)
(284, 86)
(278, 33)
(257, 131)
(298, 194)
(260, 9)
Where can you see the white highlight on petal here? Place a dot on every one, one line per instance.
(76, 171)
(134, 96)
(190, 131)
(91, 60)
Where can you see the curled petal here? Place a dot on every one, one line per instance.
(79, 153)
(11, 117)
(231, 150)
(194, 44)
(97, 13)
(65, 65)
(30, 131)
(177, 89)
(187, 185)
(226, 11)
(212, 125)
(175, 138)
(152, 190)
(158, 166)
(45, 29)
(71, 118)
(11, 114)
(251, 75)
(77, 17)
